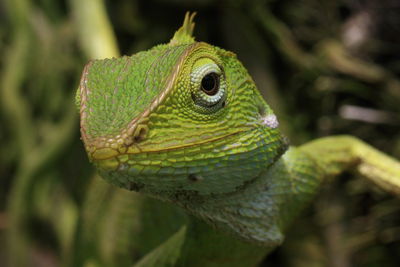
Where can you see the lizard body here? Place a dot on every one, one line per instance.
(184, 122)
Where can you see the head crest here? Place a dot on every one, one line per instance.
(184, 34)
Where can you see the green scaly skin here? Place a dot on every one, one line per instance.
(148, 126)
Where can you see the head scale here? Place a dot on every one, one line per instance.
(183, 118)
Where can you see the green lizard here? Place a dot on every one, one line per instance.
(184, 123)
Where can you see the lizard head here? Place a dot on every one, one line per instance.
(179, 119)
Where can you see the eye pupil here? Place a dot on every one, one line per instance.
(210, 83)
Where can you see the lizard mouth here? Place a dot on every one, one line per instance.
(105, 153)
(118, 147)
(112, 159)
(191, 167)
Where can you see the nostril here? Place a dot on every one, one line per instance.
(140, 133)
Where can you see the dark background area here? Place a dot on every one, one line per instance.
(325, 67)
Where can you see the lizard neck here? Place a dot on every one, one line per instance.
(261, 211)
(250, 213)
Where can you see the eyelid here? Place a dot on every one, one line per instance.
(207, 103)
(199, 72)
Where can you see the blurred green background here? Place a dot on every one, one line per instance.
(326, 67)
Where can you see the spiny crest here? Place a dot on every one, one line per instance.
(184, 34)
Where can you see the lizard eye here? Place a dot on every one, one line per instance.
(210, 83)
(208, 87)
